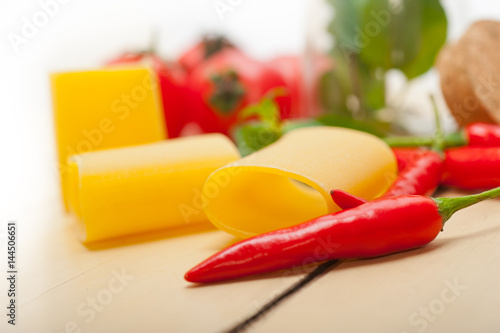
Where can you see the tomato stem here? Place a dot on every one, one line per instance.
(448, 206)
(214, 44)
(228, 92)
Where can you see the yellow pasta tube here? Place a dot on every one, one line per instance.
(289, 182)
(132, 190)
(103, 109)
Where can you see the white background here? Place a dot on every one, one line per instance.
(83, 34)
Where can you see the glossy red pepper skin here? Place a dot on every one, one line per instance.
(483, 134)
(419, 172)
(346, 200)
(404, 156)
(472, 167)
(374, 229)
(407, 156)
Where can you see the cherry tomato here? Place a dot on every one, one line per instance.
(303, 92)
(209, 46)
(227, 82)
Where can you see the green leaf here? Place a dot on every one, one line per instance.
(332, 93)
(372, 37)
(376, 128)
(390, 33)
(407, 37)
(372, 87)
(344, 27)
(352, 77)
(267, 110)
(254, 136)
(433, 37)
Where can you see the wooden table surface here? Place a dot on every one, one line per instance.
(451, 285)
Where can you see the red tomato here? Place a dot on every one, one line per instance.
(209, 46)
(291, 69)
(172, 79)
(226, 83)
(303, 92)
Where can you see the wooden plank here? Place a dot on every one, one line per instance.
(60, 279)
(450, 285)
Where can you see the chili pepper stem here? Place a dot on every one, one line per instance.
(408, 141)
(449, 206)
(456, 139)
(437, 143)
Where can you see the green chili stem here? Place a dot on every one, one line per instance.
(448, 206)
(456, 139)
(408, 141)
(451, 140)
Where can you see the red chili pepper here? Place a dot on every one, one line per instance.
(374, 229)
(422, 169)
(420, 172)
(420, 176)
(346, 200)
(405, 155)
(476, 134)
(472, 167)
